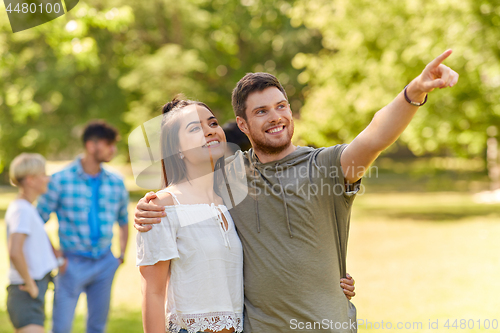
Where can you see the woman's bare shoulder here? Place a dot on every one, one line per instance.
(163, 199)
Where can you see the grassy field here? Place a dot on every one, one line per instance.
(417, 257)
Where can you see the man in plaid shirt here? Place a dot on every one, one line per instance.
(88, 200)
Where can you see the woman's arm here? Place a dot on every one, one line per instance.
(154, 284)
(16, 255)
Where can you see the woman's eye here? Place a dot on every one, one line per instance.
(215, 124)
(281, 106)
(195, 128)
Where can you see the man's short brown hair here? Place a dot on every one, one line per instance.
(248, 84)
(100, 130)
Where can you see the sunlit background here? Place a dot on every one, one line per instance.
(424, 235)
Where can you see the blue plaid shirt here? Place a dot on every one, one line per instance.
(70, 196)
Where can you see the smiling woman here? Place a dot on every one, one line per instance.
(182, 134)
(191, 263)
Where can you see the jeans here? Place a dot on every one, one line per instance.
(91, 276)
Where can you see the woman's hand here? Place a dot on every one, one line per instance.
(347, 285)
(31, 288)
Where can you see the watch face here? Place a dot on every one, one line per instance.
(60, 261)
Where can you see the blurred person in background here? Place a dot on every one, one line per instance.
(236, 136)
(32, 257)
(88, 200)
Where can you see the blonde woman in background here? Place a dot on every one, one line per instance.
(32, 257)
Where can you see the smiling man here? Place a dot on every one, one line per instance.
(294, 223)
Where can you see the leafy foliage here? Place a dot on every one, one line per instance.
(371, 50)
(340, 61)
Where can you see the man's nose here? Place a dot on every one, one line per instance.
(274, 115)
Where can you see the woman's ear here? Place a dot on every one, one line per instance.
(27, 181)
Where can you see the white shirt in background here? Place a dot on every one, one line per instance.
(22, 217)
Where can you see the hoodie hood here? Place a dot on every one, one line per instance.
(267, 172)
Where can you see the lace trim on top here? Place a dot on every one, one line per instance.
(215, 321)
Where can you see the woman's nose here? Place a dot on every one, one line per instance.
(209, 131)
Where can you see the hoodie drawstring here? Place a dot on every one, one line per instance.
(285, 206)
(256, 201)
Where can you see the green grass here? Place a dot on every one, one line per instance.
(416, 256)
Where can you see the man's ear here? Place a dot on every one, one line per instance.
(242, 124)
(90, 146)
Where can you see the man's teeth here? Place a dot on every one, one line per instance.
(211, 143)
(274, 130)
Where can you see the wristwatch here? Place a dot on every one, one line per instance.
(60, 261)
(412, 102)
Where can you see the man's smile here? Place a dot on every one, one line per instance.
(276, 129)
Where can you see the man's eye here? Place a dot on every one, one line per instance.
(281, 106)
(260, 111)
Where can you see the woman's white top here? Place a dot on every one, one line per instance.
(21, 217)
(205, 290)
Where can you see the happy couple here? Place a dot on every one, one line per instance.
(289, 243)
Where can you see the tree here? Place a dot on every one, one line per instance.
(56, 77)
(371, 50)
(121, 61)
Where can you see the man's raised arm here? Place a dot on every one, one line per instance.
(388, 123)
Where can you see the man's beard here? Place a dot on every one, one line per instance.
(263, 145)
(101, 158)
